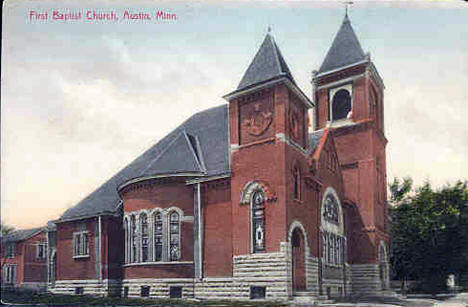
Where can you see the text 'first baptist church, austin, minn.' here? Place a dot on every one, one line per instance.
(67, 15)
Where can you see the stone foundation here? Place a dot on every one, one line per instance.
(159, 288)
(107, 287)
(365, 279)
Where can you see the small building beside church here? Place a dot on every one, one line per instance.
(246, 200)
(24, 259)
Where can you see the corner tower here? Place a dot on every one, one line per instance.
(268, 118)
(349, 95)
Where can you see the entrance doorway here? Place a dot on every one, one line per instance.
(298, 261)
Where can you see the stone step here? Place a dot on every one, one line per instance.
(304, 293)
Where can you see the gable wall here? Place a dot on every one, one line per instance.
(35, 270)
(69, 268)
(217, 261)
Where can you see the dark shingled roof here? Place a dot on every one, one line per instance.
(267, 64)
(200, 145)
(21, 234)
(345, 49)
(314, 139)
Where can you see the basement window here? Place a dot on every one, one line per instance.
(175, 292)
(257, 292)
(145, 291)
(79, 291)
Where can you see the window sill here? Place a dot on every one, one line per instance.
(298, 201)
(158, 263)
(80, 256)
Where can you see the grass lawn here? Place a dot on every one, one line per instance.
(28, 297)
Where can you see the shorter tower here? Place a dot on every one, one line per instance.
(349, 95)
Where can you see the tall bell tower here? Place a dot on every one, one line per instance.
(349, 93)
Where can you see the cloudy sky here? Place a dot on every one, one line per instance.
(81, 99)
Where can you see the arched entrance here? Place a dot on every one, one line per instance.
(53, 267)
(298, 260)
(383, 271)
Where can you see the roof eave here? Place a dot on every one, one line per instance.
(324, 73)
(166, 175)
(84, 217)
(268, 83)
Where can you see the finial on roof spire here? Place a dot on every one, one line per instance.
(269, 29)
(347, 5)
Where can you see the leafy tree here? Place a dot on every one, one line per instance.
(6, 229)
(428, 232)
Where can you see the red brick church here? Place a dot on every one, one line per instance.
(246, 200)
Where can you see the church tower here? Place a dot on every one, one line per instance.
(267, 114)
(349, 94)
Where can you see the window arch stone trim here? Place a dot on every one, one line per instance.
(327, 226)
(251, 187)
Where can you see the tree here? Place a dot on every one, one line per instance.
(6, 229)
(427, 231)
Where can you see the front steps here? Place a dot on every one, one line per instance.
(308, 298)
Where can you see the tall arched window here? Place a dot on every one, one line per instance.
(333, 236)
(144, 237)
(341, 104)
(158, 236)
(125, 225)
(257, 206)
(134, 239)
(174, 236)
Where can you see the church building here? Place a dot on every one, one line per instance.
(247, 200)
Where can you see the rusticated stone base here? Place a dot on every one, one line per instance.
(159, 288)
(365, 279)
(107, 287)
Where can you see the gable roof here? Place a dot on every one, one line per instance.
(267, 64)
(345, 49)
(314, 140)
(21, 234)
(199, 146)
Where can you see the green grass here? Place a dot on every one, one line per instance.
(28, 297)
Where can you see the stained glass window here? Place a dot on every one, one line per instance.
(134, 237)
(258, 222)
(174, 231)
(144, 237)
(158, 236)
(330, 212)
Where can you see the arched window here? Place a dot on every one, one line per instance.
(144, 237)
(297, 183)
(134, 239)
(333, 236)
(125, 225)
(158, 236)
(341, 104)
(174, 236)
(257, 205)
(330, 212)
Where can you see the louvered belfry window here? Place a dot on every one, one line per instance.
(174, 236)
(158, 236)
(258, 221)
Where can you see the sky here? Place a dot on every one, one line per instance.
(82, 98)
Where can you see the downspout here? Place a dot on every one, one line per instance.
(48, 258)
(100, 248)
(200, 230)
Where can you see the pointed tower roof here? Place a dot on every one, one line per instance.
(267, 64)
(345, 49)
